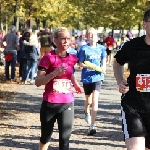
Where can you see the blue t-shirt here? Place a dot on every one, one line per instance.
(93, 55)
(72, 51)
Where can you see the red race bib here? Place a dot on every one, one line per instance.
(143, 82)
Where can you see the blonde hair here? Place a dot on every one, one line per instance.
(91, 29)
(59, 30)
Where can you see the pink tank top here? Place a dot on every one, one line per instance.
(59, 89)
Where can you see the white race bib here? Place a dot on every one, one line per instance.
(61, 85)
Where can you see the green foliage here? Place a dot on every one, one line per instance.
(78, 14)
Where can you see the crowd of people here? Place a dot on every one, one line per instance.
(53, 57)
(23, 49)
(29, 46)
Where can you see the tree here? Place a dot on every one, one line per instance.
(78, 14)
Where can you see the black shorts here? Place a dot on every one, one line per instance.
(64, 113)
(135, 124)
(89, 88)
(109, 52)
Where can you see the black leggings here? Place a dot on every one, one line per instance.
(64, 113)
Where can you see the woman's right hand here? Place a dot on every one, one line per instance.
(59, 71)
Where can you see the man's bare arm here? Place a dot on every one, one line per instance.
(118, 71)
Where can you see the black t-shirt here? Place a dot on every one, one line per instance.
(45, 39)
(137, 53)
(101, 43)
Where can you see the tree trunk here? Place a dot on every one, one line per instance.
(139, 29)
(44, 23)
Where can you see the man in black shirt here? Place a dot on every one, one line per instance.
(135, 100)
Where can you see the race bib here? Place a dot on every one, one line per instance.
(61, 86)
(143, 82)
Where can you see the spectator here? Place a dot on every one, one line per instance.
(46, 41)
(12, 45)
(80, 42)
(31, 50)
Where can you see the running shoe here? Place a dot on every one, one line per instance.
(91, 130)
(32, 82)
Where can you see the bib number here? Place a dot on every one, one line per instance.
(143, 82)
(62, 86)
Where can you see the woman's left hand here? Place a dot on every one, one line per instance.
(78, 88)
